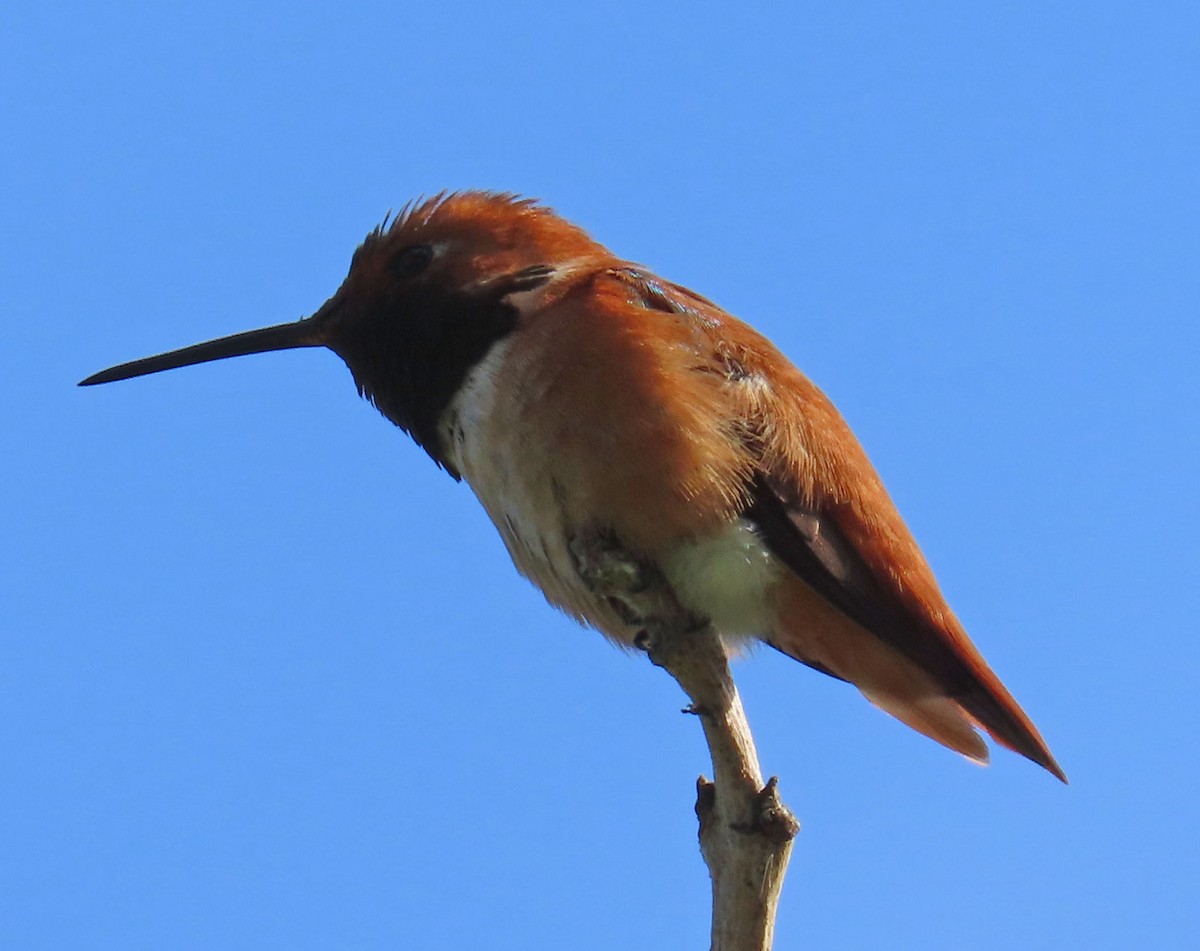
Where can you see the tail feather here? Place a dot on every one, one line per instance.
(939, 718)
(817, 634)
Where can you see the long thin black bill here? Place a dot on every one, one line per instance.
(299, 333)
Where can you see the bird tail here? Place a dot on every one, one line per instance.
(831, 642)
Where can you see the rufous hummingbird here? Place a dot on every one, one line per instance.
(578, 392)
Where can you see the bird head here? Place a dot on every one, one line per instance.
(427, 295)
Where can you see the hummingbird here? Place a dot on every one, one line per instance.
(578, 392)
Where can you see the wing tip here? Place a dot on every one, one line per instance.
(1013, 730)
(1034, 749)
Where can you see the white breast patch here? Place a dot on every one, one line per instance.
(727, 579)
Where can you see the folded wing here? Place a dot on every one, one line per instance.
(859, 602)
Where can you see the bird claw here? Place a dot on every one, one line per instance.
(606, 568)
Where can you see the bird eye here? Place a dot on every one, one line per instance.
(412, 260)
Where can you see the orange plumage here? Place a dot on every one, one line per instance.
(578, 392)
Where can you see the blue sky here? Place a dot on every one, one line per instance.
(267, 677)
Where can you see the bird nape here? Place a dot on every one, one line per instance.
(577, 392)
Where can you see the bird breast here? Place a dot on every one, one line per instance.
(509, 462)
(555, 444)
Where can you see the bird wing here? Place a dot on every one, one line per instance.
(823, 512)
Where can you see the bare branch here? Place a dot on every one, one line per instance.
(746, 831)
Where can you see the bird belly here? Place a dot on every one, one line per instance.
(537, 538)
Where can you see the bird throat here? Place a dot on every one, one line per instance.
(410, 365)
